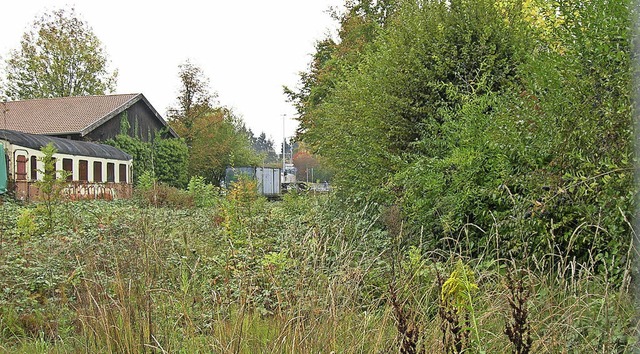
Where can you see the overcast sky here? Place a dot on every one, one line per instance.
(249, 49)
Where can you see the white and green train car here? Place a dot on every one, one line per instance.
(94, 171)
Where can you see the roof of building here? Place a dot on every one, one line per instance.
(64, 146)
(69, 115)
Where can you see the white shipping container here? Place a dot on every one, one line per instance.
(267, 178)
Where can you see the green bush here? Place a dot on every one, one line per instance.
(483, 118)
(139, 150)
(146, 181)
(26, 225)
(162, 195)
(204, 194)
(166, 159)
(171, 161)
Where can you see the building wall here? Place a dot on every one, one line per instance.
(142, 124)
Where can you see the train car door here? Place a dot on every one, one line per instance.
(21, 168)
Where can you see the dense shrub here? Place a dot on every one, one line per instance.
(204, 194)
(140, 151)
(482, 118)
(165, 159)
(171, 160)
(162, 195)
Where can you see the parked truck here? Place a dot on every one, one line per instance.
(289, 181)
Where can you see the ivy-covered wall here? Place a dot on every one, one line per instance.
(165, 159)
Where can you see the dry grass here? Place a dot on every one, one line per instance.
(166, 281)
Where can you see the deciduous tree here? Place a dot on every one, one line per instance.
(195, 99)
(216, 137)
(512, 116)
(60, 56)
(219, 141)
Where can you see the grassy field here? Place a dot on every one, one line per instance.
(244, 275)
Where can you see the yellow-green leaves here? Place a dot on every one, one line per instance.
(457, 291)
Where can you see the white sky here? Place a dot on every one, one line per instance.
(249, 49)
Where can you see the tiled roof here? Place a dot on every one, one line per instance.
(66, 115)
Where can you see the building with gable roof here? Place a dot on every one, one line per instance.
(74, 125)
(90, 118)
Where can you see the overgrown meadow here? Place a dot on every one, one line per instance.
(197, 271)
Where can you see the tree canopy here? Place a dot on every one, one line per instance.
(194, 100)
(513, 116)
(263, 146)
(216, 137)
(59, 56)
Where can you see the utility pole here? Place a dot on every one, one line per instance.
(284, 145)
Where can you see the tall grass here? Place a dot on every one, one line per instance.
(297, 276)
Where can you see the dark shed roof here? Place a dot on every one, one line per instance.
(64, 146)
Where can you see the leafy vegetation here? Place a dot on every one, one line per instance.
(60, 56)
(512, 116)
(200, 121)
(300, 275)
(164, 159)
(482, 159)
(52, 183)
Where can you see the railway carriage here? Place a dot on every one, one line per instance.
(94, 171)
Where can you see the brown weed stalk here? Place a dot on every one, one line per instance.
(407, 328)
(517, 328)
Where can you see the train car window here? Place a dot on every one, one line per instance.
(21, 164)
(122, 178)
(34, 168)
(97, 171)
(67, 166)
(111, 172)
(83, 170)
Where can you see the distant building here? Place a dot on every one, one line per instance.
(89, 118)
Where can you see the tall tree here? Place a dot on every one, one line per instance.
(263, 146)
(195, 100)
(219, 141)
(216, 137)
(513, 116)
(60, 56)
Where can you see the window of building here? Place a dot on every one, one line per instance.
(83, 170)
(67, 166)
(111, 172)
(97, 171)
(122, 178)
(21, 165)
(34, 168)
